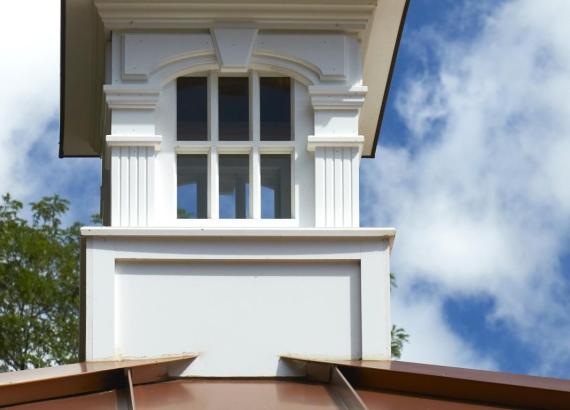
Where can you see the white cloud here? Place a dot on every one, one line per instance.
(29, 109)
(433, 340)
(481, 194)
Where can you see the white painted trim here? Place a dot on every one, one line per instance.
(192, 147)
(88, 231)
(235, 147)
(213, 186)
(213, 125)
(124, 97)
(254, 107)
(352, 16)
(231, 57)
(337, 98)
(314, 142)
(255, 183)
(153, 141)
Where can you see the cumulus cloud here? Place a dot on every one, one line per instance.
(29, 110)
(480, 193)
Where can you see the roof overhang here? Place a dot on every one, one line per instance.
(326, 384)
(85, 25)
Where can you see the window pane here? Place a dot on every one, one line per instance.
(276, 186)
(192, 192)
(233, 104)
(275, 108)
(192, 108)
(234, 186)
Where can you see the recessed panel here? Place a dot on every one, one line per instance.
(239, 316)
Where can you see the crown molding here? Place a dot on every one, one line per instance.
(334, 141)
(344, 15)
(153, 141)
(337, 98)
(131, 98)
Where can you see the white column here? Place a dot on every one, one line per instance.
(336, 185)
(132, 179)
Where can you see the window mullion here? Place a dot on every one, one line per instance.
(255, 178)
(254, 167)
(213, 122)
(213, 168)
(213, 184)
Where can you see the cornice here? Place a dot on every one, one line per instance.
(343, 15)
(334, 141)
(153, 141)
(337, 98)
(131, 98)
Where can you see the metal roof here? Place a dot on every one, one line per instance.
(149, 384)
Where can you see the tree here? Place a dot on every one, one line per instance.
(39, 285)
(398, 334)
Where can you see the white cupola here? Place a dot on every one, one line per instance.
(231, 135)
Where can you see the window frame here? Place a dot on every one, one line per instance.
(254, 147)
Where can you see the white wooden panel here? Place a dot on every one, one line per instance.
(143, 187)
(166, 47)
(116, 186)
(347, 184)
(355, 187)
(329, 186)
(320, 189)
(133, 186)
(338, 187)
(125, 186)
(264, 309)
(150, 183)
(325, 53)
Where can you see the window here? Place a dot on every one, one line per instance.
(276, 186)
(275, 108)
(234, 186)
(231, 169)
(192, 109)
(192, 192)
(233, 108)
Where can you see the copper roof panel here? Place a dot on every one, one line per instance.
(234, 394)
(376, 400)
(97, 401)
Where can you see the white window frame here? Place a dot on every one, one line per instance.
(254, 147)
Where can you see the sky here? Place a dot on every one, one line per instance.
(472, 170)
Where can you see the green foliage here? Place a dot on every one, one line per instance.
(184, 214)
(398, 335)
(39, 285)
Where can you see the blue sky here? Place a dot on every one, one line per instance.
(472, 170)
